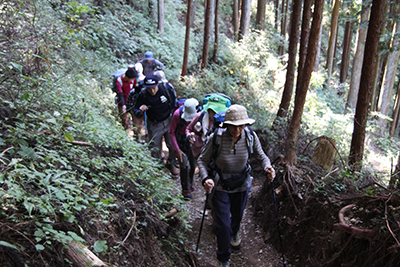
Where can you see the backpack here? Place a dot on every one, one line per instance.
(132, 97)
(117, 77)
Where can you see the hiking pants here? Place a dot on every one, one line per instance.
(156, 131)
(228, 212)
(187, 168)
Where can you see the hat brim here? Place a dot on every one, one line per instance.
(147, 58)
(215, 106)
(239, 122)
(187, 116)
(148, 86)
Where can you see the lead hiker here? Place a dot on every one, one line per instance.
(123, 85)
(157, 102)
(180, 143)
(224, 166)
(148, 65)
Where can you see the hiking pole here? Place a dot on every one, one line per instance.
(202, 222)
(277, 222)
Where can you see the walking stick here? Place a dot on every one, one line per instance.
(202, 222)
(277, 221)
(145, 125)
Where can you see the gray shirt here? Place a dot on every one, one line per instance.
(232, 158)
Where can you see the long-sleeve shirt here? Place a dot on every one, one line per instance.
(232, 158)
(124, 88)
(160, 107)
(175, 121)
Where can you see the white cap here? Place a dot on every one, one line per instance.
(190, 109)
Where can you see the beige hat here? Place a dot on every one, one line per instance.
(237, 115)
(189, 109)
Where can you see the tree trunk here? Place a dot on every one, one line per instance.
(332, 39)
(394, 178)
(388, 79)
(284, 15)
(396, 111)
(301, 90)
(358, 59)
(235, 19)
(291, 68)
(317, 58)
(153, 11)
(207, 33)
(277, 15)
(216, 32)
(305, 33)
(260, 16)
(245, 18)
(361, 116)
(187, 38)
(344, 66)
(161, 16)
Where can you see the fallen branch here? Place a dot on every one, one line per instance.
(171, 213)
(356, 231)
(11, 147)
(130, 230)
(79, 143)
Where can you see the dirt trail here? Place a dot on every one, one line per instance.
(254, 251)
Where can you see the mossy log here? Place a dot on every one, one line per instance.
(81, 256)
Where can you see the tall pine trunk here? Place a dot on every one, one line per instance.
(291, 68)
(302, 88)
(207, 33)
(332, 39)
(368, 67)
(184, 70)
(358, 59)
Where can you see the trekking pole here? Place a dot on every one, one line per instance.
(145, 125)
(202, 222)
(277, 222)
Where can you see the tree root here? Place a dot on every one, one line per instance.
(356, 231)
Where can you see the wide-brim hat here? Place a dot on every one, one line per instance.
(217, 103)
(148, 55)
(237, 115)
(150, 81)
(189, 109)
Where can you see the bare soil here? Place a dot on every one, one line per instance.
(255, 249)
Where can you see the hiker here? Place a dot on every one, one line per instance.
(228, 151)
(148, 65)
(180, 143)
(124, 85)
(157, 102)
(203, 122)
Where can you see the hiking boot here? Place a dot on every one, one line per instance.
(236, 242)
(187, 195)
(171, 167)
(223, 264)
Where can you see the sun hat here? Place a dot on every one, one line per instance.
(217, 103)
(150, 81)
(189, 109)
(237, 115)
(148, 55)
